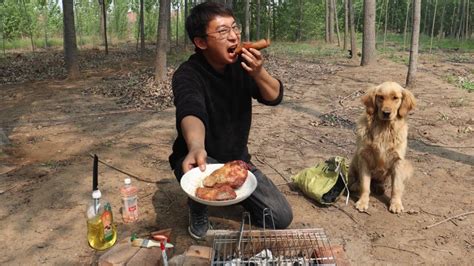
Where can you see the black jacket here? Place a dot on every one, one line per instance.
(223, 102)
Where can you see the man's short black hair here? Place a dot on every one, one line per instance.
(196, 22)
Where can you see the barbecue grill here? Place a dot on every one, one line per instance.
(272, 247)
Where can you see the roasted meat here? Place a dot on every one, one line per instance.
(224, 192)
(233, 174)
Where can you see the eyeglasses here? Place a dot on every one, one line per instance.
(225, 31)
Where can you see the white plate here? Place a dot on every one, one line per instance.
(194, 177)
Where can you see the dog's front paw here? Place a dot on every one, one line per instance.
(362, 204)
(396, 206)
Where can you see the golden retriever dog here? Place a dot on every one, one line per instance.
(382, 143)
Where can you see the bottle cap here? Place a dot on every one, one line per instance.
(96, 194)
(127, 181)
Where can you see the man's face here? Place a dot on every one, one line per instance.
(222, 40)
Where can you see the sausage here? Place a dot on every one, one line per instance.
(261, 44)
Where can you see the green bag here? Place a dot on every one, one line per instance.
(326, 181)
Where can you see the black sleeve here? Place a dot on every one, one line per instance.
(188, 96)
(260, 99)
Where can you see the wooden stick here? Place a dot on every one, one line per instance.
(8, 189)
(123, 172)
(448, 219)
(310, 141)
(345, 212)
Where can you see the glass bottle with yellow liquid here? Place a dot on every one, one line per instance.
(101, 230)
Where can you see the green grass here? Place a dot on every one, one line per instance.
(460, 82)
(395, 42)
(399, 58)
(468, 85)
(25, 43)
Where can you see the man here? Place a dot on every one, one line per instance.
(213, 93)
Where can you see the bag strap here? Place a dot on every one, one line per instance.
(340, 174)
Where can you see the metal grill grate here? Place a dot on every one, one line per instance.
(273, 247)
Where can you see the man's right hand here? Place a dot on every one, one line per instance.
(194, 133)
(195, 158)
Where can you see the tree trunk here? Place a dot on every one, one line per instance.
(186, 16)
(386, 23)
(46, 19)
(415, 34)
(353, 33)
(274, 34)
(368, 43)
(461, 20)
(441, 26)
(258, 20)
(177, 25)
(331, 21)
(30, 31)
(346, 25)
(378, 24)
(433, 25)
(269, 21)
(78, 21)
(406, 25)
(452, 30)
(337, 24)
(3, 40)
(101, 16)
(162, 42)
(104, 15)
(70, 47)
(425, 17)
(168, 45)
(327, 20)
(299, 32)
(469, 28)
(466, 27)
(247, 20)
(142, 29)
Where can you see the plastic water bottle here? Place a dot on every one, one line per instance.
(129, 201)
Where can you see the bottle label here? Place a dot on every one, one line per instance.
(106, 218)
(130, 205)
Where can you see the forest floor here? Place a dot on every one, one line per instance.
(49, 126)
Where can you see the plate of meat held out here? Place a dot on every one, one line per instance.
(220, 184)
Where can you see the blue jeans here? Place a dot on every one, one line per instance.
(266, 195)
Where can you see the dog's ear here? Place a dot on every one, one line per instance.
(408, 103)
(368, 99)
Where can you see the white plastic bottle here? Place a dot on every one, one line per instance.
(129, 201)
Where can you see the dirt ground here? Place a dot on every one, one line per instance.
(49, 126)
